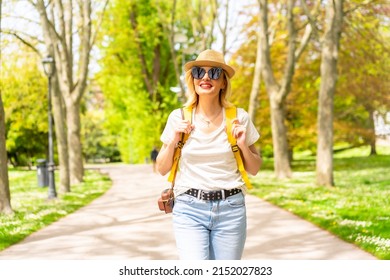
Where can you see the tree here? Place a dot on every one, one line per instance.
(143, 52)
(364, 75)
(24, 97)
(26, 33)
(99, 145)
(136, 74)
(201, 15)
(329, 57)
(58, 21)
(189, 29)
(223, 27)
(5, 196)
(278, 92)
(362, 82)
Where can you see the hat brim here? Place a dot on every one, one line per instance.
(229, 70)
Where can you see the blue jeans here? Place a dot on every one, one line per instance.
(210, 230)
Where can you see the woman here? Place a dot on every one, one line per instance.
(209, 215)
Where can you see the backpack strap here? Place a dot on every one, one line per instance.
(231, 114)
(186, 114)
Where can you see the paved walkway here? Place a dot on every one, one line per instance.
(125, 223)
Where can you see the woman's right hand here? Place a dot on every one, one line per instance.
(183, 126)
(165, 156)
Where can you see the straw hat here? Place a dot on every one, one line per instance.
(212, 59)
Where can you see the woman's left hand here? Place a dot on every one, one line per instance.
(239, 132)
(250, 156)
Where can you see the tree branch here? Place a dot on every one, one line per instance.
(304, 41)
(290, 65)
(312, 20)
(99, 24)
(17, 36)
(267, 71)
(85, 47)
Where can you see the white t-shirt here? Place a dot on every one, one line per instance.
(207, 161)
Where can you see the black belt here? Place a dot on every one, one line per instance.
(212, 195)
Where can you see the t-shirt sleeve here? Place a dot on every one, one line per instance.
(252, 135)
(168, 132)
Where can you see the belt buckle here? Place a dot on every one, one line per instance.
(211, 195)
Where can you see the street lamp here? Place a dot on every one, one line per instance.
(49, 67)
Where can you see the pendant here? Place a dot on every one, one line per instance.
(206, 121)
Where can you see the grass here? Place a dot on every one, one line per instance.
(357, 209)
(34, 211)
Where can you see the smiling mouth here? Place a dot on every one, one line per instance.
(206, 85)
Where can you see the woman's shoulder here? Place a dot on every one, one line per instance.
(242, 113)
(175, 114)
(177, 111)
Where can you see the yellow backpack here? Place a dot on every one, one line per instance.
(231, 114)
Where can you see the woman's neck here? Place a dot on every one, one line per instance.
(209, 116)
(208, 108)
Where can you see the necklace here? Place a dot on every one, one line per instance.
(205, 121)
(210, 120)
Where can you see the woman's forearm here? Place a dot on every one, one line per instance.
(164, 159)
(252, 160)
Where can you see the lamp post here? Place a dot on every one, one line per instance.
(49, 67)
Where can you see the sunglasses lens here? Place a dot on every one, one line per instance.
(215, 73)
(197, 72)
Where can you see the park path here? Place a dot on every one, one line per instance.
(125, 223)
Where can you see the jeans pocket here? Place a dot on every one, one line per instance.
(185, 198)
(237, 200)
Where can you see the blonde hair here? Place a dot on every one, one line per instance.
(193, 97)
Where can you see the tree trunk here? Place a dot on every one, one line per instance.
(5, 196)
(324, 163)
(279, 140)
(223, 28)
(76, 166)
(334, 18)
(278, 93)
(61, 136)
(372, 133)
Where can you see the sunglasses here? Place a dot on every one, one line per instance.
(213, 73)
